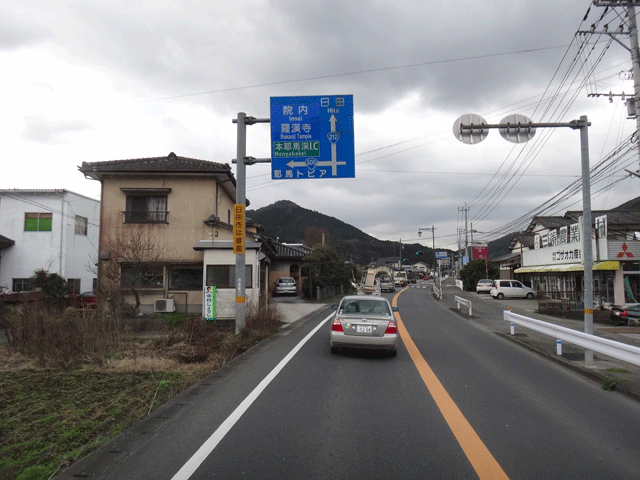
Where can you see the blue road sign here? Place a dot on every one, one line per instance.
(312, 137)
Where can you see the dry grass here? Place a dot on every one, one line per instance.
(72, 380)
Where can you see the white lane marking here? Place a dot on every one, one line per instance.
(207, 447)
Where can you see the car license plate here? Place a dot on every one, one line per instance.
(615, 312)
(364, 329)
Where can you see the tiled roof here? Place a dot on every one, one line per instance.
(525, 239)
(290, 251)
(31, 190)
(550, 222)
(21, 192)
(627, 218)
(172, 163)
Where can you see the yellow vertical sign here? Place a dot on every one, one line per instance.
(238, 229)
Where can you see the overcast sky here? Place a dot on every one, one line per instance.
(110, 80)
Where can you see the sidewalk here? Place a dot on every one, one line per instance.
(293, 309)
(489, 313)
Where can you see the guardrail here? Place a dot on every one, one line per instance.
(466, 303)
(459, 284)
(437, 291)
(621, 351)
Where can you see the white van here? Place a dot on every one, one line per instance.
(511, 288)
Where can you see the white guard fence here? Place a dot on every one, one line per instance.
(466, 303)
(611, 348)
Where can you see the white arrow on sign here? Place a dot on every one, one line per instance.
(312, 163)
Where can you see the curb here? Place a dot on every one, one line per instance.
(619, 387)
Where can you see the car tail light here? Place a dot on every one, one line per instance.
(391, 328)
(624, 313)
(336, 326)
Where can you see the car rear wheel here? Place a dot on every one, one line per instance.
(500, 296)
(529, 295)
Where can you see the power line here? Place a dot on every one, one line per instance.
(359, 72)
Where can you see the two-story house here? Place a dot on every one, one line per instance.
(52, 230)
(166, 234)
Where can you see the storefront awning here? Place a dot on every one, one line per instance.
(569, 267)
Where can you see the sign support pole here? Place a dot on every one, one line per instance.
(241, 153)
(242, 160)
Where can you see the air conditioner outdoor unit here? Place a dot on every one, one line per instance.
(163, 305)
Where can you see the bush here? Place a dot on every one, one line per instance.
(69, 338)
(58, 338)
(476, 270)
(52, 284)
(192, 340)
(263, 321)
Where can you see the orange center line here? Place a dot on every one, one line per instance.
(480, 457)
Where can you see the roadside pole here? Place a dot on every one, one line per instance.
(241, 187)
(586, 236)
(241, 153)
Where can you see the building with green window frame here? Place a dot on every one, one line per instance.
(52, 230)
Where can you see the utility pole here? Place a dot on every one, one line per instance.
(433, 234)
(465, 209)
(633, 103)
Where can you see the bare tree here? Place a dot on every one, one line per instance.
(131, 261)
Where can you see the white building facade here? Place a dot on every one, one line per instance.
(555, 266)
(52, 230)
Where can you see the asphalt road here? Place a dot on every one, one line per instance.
(457, 402)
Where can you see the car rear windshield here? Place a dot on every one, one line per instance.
(365, 307)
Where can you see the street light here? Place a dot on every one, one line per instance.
(433, 236)
(472, 129)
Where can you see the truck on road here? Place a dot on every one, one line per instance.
(400, 278)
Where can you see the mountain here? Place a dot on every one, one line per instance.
(290, 223)
(633, 204)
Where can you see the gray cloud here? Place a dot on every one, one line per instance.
(450, 58)
(52, 132)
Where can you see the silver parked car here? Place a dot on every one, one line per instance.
(285, 286)
(362, 321)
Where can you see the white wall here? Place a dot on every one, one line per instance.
(59, 251)
(226, 297)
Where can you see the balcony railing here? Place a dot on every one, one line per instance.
(146, 217)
